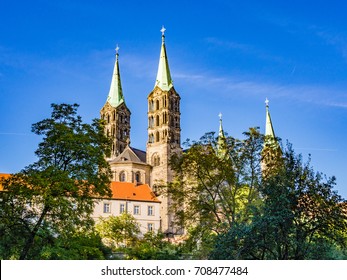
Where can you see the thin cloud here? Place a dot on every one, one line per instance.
(245, 86)
(244, 48)
(338, 41)
(228, 44)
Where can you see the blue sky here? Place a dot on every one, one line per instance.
(224, 56)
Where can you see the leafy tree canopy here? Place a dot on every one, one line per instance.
(119, 231)
(301, 217)
(212, 190)
(53, 196)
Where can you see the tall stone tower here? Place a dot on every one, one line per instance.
(164, 132)
(116, 114)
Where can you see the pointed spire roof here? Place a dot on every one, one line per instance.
(163, 80)
(115, 95)
(272, 152)
(269, 130)
(221, 131)
(270, 137)
(221, 142)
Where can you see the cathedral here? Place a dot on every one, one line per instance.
(135, 173)
(150, 167)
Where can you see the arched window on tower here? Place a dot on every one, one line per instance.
(157, 105)
(122, 176)
(150, 121)
(151, 138)
(114, 115)
(108, 118)
(151, 105)
(155, 160)
(138, 177)
(157, 136)
(157, 120)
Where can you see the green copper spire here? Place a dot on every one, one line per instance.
(163, 80)
(272, 152)
(115, 95)
(270, 137)
(221, 142)
(269, 131)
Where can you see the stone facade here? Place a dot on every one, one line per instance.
(135, 199)
(117, 126)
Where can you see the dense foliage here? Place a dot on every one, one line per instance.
(248, 199)
(51, 200)
(301, 217)
(235, 199)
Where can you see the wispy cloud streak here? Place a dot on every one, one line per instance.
(232, 85)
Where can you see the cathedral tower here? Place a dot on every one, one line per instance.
(164, 131)
(116, 114)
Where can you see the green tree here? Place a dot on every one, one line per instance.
(82, 245)
(153, 246)
(300, 214)
(213, 190)
(119, 231)
(54, 196)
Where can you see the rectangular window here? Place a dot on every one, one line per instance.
(136, 209)
(107, 208)
(150, 227)
(150, 211)
(122, 208)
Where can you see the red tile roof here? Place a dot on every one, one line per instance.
(130, 191)
(121, 190)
